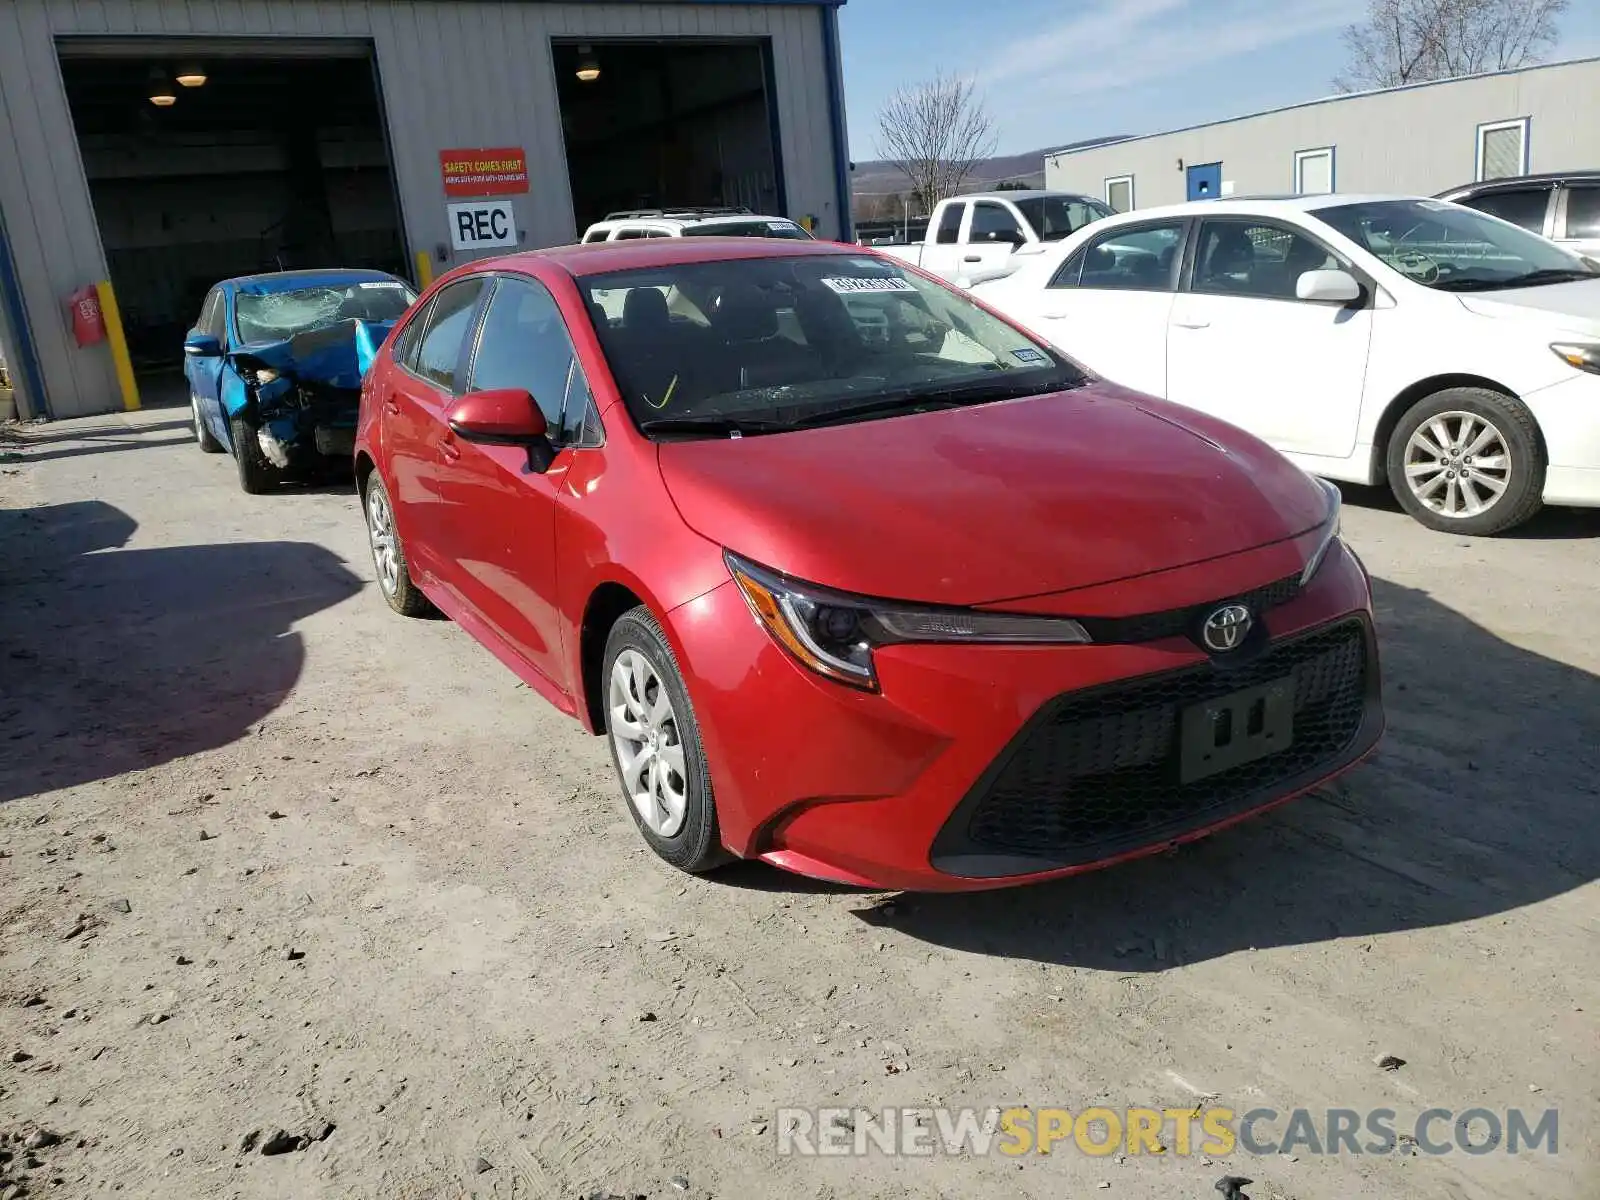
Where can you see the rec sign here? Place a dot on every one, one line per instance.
(482, 224)
(496, 172)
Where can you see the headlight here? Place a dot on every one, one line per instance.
(834, 633)
(1579, 354)
(1327, 533)
(266, 375)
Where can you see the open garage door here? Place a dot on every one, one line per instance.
(668, 125)
(226, 162)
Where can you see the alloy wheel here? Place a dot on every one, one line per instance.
(1458, 464)
(644, 731)
(380, 532)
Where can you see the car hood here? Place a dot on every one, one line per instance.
(1573, 306)
(331, 356)
(996, 501)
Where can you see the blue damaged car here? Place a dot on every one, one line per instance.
(275, 363)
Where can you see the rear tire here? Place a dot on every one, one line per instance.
(256, 474)
(388, 555)
(202, 433)
(1467, 460)
(655, 744)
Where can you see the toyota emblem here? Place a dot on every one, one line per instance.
(1226, 628)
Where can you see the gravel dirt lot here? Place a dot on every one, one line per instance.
(272, 858)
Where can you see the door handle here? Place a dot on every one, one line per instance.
(391, 405)
(973, 258)
(1190, 323)
(448, 447)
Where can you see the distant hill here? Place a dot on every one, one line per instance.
(873, 179)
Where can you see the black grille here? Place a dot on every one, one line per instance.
(1096, 773)
(1177, 622)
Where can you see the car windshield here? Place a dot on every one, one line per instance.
(765, 227)
(760, 345)
(1058, 217)
(273, 316)
(1446, 246)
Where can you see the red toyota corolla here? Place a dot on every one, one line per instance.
(854, 576)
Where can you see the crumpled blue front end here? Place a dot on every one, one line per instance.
(303, 393)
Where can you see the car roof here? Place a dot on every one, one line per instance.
(680, 220)
(598, 258)
(1024, 194)
(1247, 206)
(288, 281)
(1516, 181)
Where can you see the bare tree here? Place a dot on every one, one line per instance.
(1413, 41)
(936, 133)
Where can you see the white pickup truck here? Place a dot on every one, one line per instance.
(987, 235)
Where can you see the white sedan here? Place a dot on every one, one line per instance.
(1366, 337)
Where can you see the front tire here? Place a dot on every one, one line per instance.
(388, 555)
(202, 433)
(655, 744)
(256, 474)
(1467, 460)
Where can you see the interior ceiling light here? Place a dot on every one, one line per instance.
(192, 76)
(588, 65)
(161, 93)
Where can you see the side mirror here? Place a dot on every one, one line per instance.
(1328, 287)
(504, 417)
(202, 345)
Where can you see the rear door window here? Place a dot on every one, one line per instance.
(1521, 206)
(1583, 211)
(439, 350)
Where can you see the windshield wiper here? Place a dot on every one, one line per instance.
(1547, 275)
(714, 425)
(922, 399)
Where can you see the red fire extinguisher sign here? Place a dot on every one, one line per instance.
(88, 322)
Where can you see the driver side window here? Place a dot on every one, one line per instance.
(1240, 258)
(993, 222)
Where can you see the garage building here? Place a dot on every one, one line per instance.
(161, 145)
(1419, 139)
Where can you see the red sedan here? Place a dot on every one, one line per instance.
(854, 576)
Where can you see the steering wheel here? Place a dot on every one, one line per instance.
(1414, 264)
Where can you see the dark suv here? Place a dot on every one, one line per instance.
(1563, 207)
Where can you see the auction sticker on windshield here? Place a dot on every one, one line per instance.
(855, 285)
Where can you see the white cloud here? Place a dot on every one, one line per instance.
(1120, 43)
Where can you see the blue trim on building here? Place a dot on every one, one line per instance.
(841, 139)
(27, 364)
(1405, 87)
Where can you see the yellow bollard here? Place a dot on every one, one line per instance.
(424, 270)
(119, 345)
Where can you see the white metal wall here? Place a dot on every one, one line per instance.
(1417, 140)
(455, 73)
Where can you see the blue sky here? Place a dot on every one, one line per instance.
(1055, 71)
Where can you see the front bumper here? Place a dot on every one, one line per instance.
(1568, 414)
(941, 783)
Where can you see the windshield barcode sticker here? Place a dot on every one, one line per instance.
(779, 225)
(1029, 356)
(390, 286)
(855, 286)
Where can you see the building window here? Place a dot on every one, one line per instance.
(1502, 149)
(1119, 193)
(1313, 172)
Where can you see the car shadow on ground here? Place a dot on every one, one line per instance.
(1480, 800)
(114, 659)
(1551, 524)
